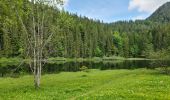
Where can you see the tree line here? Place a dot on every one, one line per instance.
(78, 36)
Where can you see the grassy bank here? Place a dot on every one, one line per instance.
(16, 61)
(95, 85)
(95, 59)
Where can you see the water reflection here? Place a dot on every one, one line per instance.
(56, 67)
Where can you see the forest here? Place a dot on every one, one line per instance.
(80, 37)
(50, 53)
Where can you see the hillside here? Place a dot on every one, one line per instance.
(162, 14)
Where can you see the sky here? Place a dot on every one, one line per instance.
(113, 10)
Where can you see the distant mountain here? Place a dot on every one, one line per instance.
(162, 14)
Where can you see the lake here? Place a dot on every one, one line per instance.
(61, 66)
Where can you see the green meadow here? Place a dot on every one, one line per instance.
(139, 84)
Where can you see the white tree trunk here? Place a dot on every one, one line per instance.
(35, 37)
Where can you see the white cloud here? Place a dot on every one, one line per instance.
(140, 17)
(65, 3)
(148, 6)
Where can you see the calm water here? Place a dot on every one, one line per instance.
(57, 67)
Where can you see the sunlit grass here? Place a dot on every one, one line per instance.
(93, 85)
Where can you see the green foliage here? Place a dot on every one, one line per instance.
(9, 61)
(134, 50)
(126, 45)
(84, 68)
(148, 50)
(118, 43)
(79, 37)
(98, 52)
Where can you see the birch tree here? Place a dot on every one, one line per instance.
(39, 32)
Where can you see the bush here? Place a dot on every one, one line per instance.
(84, 68)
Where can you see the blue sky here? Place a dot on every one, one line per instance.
(113, 10)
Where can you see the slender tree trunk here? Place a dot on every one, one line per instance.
(36, 36)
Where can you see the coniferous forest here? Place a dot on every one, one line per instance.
(80, 37)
